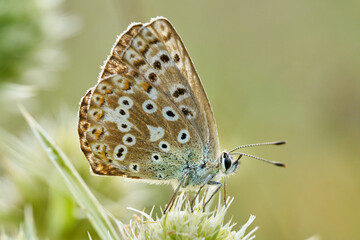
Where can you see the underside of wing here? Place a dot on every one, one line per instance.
(148, 116)
(136, 129)
(96, 164)
(173, 43)
(156, 50)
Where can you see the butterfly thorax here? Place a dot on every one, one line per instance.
(197, 168)
(199, 174)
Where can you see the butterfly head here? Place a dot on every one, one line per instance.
(227, 164)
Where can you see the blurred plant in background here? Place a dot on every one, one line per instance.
(27, 176)
(32, 33)
(26, 231)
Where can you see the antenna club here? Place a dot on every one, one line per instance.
(280, 165)
(280, 143)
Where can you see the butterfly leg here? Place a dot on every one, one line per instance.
(213, 194)
(204, 198)
(198, 192)
(172, 200)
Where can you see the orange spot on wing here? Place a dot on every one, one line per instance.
(102, 154)
(101, 101)
(98, 99)
(98, 132)
(127, 85)
(146, 86)
(99, 115)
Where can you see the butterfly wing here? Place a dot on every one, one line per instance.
(174, 45)
(147, 121)
(114, 65)
(151, 41)
(134, 127)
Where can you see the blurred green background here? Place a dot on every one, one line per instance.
(272, 71)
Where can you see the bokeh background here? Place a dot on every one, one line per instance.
(272, 70)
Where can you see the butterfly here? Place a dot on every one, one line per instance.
(149, 118)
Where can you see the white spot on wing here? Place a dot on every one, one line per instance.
(124, 125)
(183, 136)
(147, 71)
(148, 35)
(125, 102)
(157, 58)
(138, 44)
(122, 112)
(99, 148)
(169, 114)
(104, 88)
(98, 99)
(155, 133)
(120, 152)
(131, 56)
(163, 145)
(152, 94)
(149, 106)
(129, 139)
(134, 167)
(156, 157)
(175, 89)
(188, 112)
(119, 81)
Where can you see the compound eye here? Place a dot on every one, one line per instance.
(227, 162)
